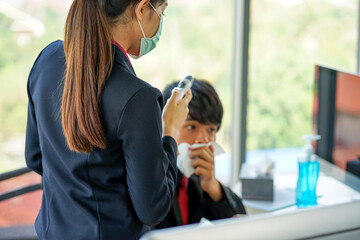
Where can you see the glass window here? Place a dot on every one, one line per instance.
(197, 39)
(26, 27)
(287, 39)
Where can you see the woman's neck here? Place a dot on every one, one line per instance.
(123, 34)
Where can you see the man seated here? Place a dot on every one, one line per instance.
(201, 195)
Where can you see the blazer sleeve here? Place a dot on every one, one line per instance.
(228, 206)
(150, 160)
(32, 144)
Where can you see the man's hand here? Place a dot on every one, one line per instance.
(204, 165)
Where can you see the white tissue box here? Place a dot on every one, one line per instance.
(256, 187)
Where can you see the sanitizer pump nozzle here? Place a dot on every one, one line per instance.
(308, 149)
(309, 169)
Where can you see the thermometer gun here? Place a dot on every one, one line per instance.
(184, 85)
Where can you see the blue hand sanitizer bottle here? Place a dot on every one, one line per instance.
(309, 169)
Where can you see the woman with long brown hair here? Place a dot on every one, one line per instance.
(97, 133)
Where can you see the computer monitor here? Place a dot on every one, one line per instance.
(340, 221)
(336, 115)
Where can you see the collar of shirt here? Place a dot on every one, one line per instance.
(122, 50)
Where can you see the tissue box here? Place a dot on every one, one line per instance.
(255, 187)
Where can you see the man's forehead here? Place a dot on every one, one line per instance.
(189, 119)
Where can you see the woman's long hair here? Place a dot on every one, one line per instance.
(88, 52)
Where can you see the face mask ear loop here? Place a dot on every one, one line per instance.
(139, 22)
(141, 27)
(154, 10)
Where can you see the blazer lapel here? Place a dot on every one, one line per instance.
(177, 211)
(196, 199)
(176, 204)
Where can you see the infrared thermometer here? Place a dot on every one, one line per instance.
(184, 85)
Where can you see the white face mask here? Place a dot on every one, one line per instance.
(148, 44)
(184, 161)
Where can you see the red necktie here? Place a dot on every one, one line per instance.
(183, 199)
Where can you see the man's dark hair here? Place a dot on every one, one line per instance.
(205, 105)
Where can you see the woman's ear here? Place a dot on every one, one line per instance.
(140, 8)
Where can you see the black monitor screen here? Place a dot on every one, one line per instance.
(336, 115)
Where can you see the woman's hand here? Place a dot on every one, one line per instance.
(175, 112)
(204, 165)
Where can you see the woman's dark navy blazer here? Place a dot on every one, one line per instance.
(115, 193)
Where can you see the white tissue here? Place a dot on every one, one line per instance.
(205, 222)
(265, 167)
(184, 161)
